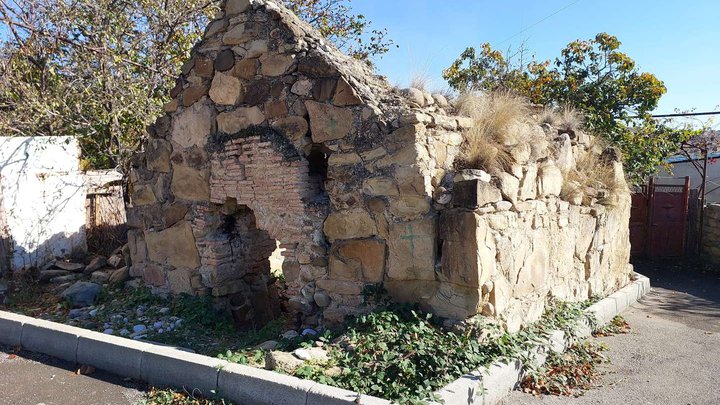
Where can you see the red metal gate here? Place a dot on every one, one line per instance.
(639, 215)
(658, 220)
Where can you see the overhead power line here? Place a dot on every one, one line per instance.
(539, 21)
(692, 114)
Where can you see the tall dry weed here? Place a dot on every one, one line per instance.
(499, 122)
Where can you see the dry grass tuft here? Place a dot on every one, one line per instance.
(420, 81)
(500, 122)
(593, 176)
(565, 119)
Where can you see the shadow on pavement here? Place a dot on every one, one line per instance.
(683, 290)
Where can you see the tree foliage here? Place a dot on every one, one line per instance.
(592, 76)
(101, 69)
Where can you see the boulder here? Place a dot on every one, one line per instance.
(550, 180)
(315, 354)
(474, 194)
(100, 276)
(236, 6)
(440, 100)
(409, 207)
(190, 184)
(47, 275)
(286, 362)
(521, 153)
(324, 89)
(359, 260)
(414, 96)
(242, 33)
(276, 65)
(563, 153)
(157, 155)
(193, 126)
(268, 345)
(193, 93)
(116, 261)
(349, 224)
(174, 246)
(246, 68)
(97, 263)
(455, 301)
(65, 279)
(226, 89)
(472, 174)
(294, 128)
(302, 87)
(120, 275)
(328, 122)
(345, 95)
(69, 266)
(380, 186)
(179, 281)
(528, 185)
(321, 299)
(509, 186)
(82, 294)
(232, 122)
(142, 194)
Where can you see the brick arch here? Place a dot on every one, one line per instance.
(267, 175)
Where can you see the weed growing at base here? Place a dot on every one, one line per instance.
(404, 355)
(169, 396)
(618, 325)
(204, 329)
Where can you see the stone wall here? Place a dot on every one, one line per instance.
(711, 231)
(272, 127)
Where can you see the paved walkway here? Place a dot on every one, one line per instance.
(33, 379)
(672, 355)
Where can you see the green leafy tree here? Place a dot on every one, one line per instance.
(101, 69)
(592, 76)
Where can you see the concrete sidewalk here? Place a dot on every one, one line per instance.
(672, 355)
(33, 379)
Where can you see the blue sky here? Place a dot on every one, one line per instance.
(678, 41)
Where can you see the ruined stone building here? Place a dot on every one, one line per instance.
(275, 138)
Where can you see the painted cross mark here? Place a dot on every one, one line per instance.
(411, 236)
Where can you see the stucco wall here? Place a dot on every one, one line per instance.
(43, 198)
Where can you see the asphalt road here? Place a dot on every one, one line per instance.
(35, 379)
(672, 355)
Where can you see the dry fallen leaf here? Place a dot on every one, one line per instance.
(85, 370)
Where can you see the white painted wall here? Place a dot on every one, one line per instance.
(682, 169)
(43, 197)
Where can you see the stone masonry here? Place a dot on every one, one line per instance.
(273, 137)
(711, 232)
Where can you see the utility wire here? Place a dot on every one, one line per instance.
(539, 22)
(693, 114)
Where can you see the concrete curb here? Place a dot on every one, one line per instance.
(166, 366)
(489, 385)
